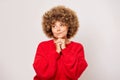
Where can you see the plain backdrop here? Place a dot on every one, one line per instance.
(21, 32)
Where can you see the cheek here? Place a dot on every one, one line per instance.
(53, 31)
(65, 31)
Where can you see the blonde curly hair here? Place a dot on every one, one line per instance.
(62, 14)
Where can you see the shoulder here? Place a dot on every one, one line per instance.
(45, 43)
(77, 44)
(75, 47)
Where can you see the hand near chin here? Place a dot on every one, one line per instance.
(60, 44)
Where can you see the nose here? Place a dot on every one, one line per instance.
(58, 28)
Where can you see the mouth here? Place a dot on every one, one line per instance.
(60, 35)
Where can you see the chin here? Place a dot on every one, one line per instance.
(60, 37)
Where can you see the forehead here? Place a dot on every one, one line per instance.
(58, 22)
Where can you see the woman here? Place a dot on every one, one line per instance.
(59, 58)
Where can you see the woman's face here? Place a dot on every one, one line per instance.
(59, 30)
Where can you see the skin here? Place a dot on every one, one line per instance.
(59, 30)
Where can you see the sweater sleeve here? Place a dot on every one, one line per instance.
(44, 65)
(74, 62)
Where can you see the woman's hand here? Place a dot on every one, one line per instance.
(60, 44)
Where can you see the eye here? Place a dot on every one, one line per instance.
(53, 26)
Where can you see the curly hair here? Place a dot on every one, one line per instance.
(62, 14)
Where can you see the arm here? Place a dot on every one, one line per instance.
(74, 62)
(44, 65)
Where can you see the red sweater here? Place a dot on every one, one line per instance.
(50, 65)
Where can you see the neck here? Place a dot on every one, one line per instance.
(67, 41)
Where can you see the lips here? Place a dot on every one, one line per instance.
(60, 34)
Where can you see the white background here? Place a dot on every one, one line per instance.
(99, 32)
